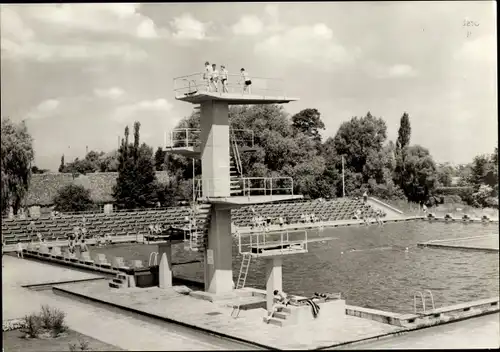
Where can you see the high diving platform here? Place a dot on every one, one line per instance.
(195, 89)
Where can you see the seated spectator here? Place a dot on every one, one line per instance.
(19, 250)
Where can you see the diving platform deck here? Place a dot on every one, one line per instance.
(233, 98)
(278, 248)
(249, 200)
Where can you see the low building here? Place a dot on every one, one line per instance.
(44, 187)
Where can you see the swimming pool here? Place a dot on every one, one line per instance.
(369, 265)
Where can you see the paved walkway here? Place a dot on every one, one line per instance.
(249, 326)
(480, 332)
(114, 328)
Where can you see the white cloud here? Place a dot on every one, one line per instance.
(248, 25)
(44, 109)
(480, 49)
(401, 71)
(313, 45)
(138, 109)
(111, 93)
(97, 17)
(188, 27)
(60, 32)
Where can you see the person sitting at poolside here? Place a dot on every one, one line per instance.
(246, 81)
(223, 74)
(302, 218)
(19, 250)
(365, 197)
(280, 221)
(83, 247)
(279, 298)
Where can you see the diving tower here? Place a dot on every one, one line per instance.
(223, 184)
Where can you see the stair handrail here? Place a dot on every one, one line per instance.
(236, 153)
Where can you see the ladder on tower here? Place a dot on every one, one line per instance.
(242, 278)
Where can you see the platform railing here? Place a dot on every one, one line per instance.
(196, 83)
(259, 240)
(183, 137)
(189, 137)
(250, 186)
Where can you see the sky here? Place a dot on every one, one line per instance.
(79, 73)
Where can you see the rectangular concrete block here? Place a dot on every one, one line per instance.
(118, 262)
(55, 251)
(100, 258)
(136, 264)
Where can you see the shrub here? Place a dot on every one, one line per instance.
(53, 319)
(33, 325)
(81, 346)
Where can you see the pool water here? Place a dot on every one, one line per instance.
(368, 265)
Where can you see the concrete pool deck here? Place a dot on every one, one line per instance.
(215, 317)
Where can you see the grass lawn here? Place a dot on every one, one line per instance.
(15, 341)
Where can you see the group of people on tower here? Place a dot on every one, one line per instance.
(212, 77)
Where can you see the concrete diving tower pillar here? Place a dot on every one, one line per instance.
(215, 160)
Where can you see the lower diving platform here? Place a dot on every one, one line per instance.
(276, 243)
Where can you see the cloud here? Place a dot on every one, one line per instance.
(44, 109)
(97, 17)
(480, 49)
(138, 109)
(67, 32)
(401, 71)
(186, 27)
(312, 45)
(111, 93)
(248, 25)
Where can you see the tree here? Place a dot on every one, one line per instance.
(404, 133)
(136, 184)
(73, 198)
(36, 170)
(62, 166)
(159, 159)
(445, 174)
(359, 137)
(419, 175)
(308, 121)
(17, 155)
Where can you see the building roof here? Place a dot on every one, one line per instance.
(43, 187)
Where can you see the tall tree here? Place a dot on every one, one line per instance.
(62, 166)
(419, 175)
(359, 137)
(16, 157)
(136, 182)
(308, 121)
(159, 159)
(404, 132)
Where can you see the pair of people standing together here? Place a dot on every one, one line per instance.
(212, 77)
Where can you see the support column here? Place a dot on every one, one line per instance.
(165, 267)
(274, 279)
(214, 121)
(218, 256)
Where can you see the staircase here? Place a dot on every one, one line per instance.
(281, 316)
(120, 281)
(236, 169)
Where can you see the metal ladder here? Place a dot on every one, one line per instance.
(242, 278)
(423, 297)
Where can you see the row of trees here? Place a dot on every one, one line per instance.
(284, 146)
(293, 147)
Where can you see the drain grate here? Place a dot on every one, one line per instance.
(214, 313)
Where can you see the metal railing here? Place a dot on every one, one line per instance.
(196, 83)
(260, 240)
(189, 137)
(153, 258)
(236, 153)
(250, 186)
(183, 137)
